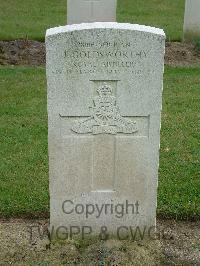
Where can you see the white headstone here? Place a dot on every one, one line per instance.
(105, 85)
(79, 11)
(192, 20)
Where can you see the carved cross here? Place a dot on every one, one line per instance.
(104, 122)
(102, 127)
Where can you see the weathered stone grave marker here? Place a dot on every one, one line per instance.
(79, 11)
(192, 20)
(104, 106)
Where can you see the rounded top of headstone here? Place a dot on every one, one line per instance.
(104, 25)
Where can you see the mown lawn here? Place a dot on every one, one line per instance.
(179, 179)
(165, 14)
(30, 19)
(23, 145)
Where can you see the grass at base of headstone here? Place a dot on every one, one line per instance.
(179, 178)
(30, 19)
(23, 145)
(197, 44)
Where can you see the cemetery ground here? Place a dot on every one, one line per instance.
(24, 177)
(24, 164)
(178, 245)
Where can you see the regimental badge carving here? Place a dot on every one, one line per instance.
(105, 116)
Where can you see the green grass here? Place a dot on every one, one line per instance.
(166, 14)
(30, 19)
(23, 148)
(179, 181)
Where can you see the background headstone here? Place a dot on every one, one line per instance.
(104, 105)
(192, 20)
(79, 11)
